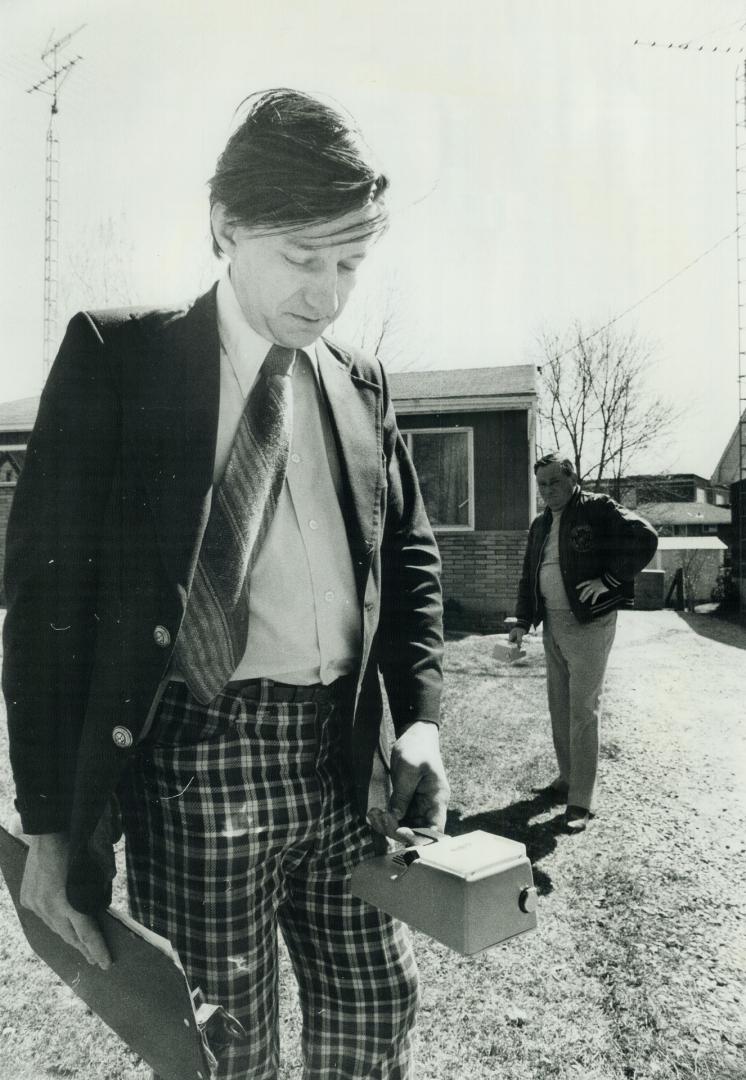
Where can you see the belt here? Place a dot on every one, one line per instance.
(267, 689)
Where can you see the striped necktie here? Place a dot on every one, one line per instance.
(212, 638)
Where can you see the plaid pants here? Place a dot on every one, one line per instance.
(237, 819)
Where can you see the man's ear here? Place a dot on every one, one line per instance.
(223, 229)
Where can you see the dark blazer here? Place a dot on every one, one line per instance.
(598, 539)
(102, 543)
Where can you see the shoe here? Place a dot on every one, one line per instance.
(553, 793)
(576, 818)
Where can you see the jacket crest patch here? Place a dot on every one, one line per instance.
(581, 537)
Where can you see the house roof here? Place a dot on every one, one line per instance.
(517, 380)
(684, 513)
(690, 543)
(727, 470)
(19, 415)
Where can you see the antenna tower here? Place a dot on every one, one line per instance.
(739, 568)
(51, 84)
(738, 565)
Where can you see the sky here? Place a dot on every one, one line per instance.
(545, 170)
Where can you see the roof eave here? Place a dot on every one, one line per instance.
(492, 403)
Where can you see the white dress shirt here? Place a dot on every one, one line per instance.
(304, 615)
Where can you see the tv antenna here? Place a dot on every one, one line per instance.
(59, 67)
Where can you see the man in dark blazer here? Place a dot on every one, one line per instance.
(216, 545)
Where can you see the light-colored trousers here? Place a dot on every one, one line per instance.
(576, 655)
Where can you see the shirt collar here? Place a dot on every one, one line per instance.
(244, 347)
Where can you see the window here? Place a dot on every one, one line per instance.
(444, 459)
(11, 462)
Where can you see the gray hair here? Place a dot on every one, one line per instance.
(555, 458)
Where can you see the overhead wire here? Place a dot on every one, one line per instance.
(652, 292)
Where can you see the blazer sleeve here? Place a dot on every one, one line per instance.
(630, 543)
(410, 630)
(53, 540)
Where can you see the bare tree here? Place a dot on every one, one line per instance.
(594, 399)
(374, 322)
(99, 271)
(693, 564)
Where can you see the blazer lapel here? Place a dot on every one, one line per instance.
(172, 402)
(354, 405)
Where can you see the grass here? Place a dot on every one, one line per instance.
(636, 969)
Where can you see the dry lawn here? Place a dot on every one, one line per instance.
(637, 970)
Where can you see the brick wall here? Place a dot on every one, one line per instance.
(480, 577)
(6, 498)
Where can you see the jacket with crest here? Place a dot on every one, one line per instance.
(598, 539)
(102, 544)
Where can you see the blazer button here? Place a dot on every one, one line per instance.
(162, 637)
(122, 737)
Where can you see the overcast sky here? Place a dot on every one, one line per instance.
(544, 169)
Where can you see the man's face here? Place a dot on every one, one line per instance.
(555, 486)
(292, 285)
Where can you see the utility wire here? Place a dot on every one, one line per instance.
(652, 292)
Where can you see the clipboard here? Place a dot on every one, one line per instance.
(143, 997)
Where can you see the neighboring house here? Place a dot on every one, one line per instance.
(687, 518)
(471, 434)
(728, 469)
(16, 421)
(692, 518)
(665, 488)
(693, 537)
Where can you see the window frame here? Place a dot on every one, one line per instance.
(459, 429)
(9, 448)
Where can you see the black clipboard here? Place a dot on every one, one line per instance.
(143, 997)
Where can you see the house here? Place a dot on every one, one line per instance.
(692, 537)
(16, 421)
(471, 434)
(665, 488)
(692, 518)
(729, 470)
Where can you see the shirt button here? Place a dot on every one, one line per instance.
(313, 524)
(295, 458)
(161, 637)
(122, 737)
(328, 596)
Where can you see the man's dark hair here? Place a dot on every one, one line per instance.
(555, 458)
(295, 161)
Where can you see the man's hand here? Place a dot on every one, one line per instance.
(591, 589)
(515, 637)
(420, 788)
(43, 892)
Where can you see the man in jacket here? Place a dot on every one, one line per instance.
(582, 555)
(216, 545)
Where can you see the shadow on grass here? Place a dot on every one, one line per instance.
(514, 821)
(726, 631)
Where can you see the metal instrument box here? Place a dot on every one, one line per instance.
(469, 892)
